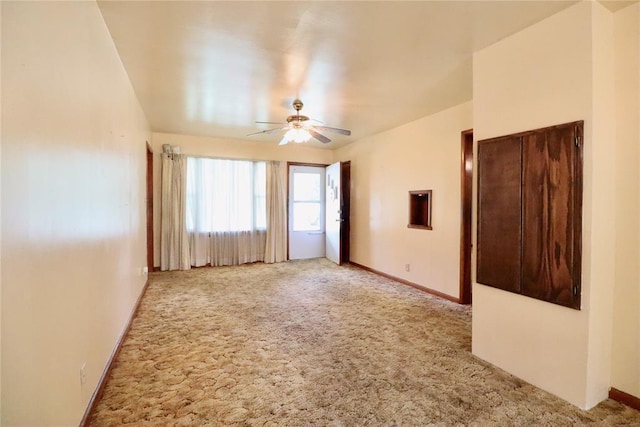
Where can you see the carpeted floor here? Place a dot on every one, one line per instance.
(311, 343)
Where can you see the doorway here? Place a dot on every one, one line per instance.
(319, 211)
(306, 211)
(466, 244)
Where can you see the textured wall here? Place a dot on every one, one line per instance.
(73, 216)
(421, 155)
(556, 71)
(626, 326)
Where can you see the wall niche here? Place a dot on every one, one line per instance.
(420, 209)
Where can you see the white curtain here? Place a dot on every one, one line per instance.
(226, 215)
(276, 239)
(174, 243)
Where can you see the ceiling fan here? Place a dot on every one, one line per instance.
(300, 129)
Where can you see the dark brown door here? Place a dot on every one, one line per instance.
(549, 221)
(465, 221)
(345, 211)
(499, 202)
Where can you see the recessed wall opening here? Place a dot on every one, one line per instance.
(420, 209)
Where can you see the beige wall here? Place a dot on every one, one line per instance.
(556, 71)
(600, 187)
(421, 155)
(224, 148)
(73, 218)
(0, 218)
(626, 321)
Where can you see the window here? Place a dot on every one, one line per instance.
(225, 195)
(306, 202)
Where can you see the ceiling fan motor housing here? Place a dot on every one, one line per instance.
(297, 119)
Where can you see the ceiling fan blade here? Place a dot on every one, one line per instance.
(298, 123)
(283, 141)
(268, 131)
(336, 130)
(318, 136)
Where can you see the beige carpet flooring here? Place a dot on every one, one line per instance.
(311, 343)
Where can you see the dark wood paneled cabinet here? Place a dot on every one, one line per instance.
(530, 213)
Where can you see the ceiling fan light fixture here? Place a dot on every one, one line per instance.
(300, 129)
(298, 135)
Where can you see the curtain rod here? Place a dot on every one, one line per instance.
(227, 158)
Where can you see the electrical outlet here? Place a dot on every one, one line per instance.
(407, 267)
(145, 271)
(83, 374)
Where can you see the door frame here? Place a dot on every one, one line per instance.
(345, 196)
(150, 250)
(466, 212)
(289, 164)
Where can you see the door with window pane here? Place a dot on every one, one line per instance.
(306, 212)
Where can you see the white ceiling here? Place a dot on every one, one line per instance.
(213, 68)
